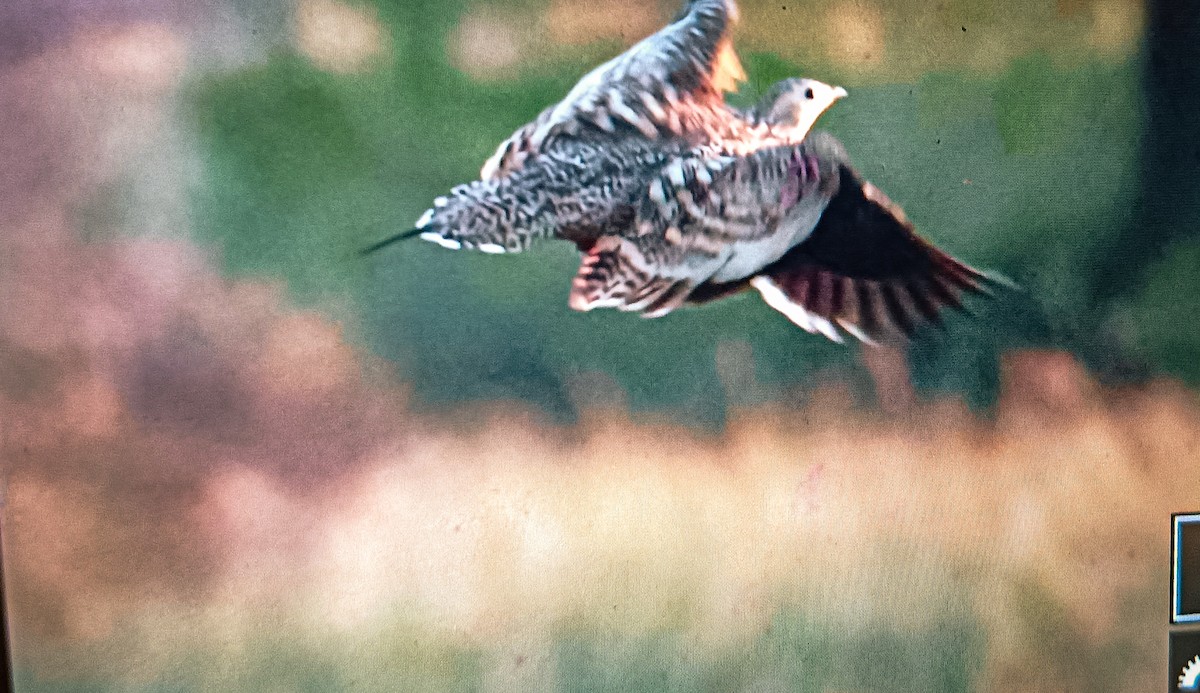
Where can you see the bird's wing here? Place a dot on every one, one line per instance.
(702, 218)
(646, 91)
(865, 270)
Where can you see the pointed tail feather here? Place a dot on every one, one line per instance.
(402, 236)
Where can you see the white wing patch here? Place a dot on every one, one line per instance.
(777, 299)
(434, 237)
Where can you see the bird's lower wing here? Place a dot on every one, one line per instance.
(865, 270)
(616, 273)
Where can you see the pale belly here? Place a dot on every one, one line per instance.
(746, 258)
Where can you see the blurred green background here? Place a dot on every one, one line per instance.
(1017, 136)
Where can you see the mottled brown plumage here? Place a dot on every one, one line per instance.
(674, 197)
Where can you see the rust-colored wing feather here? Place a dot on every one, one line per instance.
(670, 85)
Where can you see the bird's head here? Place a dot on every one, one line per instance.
(796, 103)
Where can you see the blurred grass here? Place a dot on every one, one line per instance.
(792, 655)
(820, 548)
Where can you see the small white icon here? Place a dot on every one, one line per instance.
(1189, 680)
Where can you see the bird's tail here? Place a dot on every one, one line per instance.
(402, 236)
(491, 216)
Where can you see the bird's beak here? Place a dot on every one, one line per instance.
(839, 93)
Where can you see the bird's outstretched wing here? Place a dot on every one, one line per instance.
(865, 270)
(661, 87)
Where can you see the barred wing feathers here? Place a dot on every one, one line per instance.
(667, 85)
(865, 270)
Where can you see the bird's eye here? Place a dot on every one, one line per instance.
(808, 93)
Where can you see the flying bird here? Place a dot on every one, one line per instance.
(675, 197)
